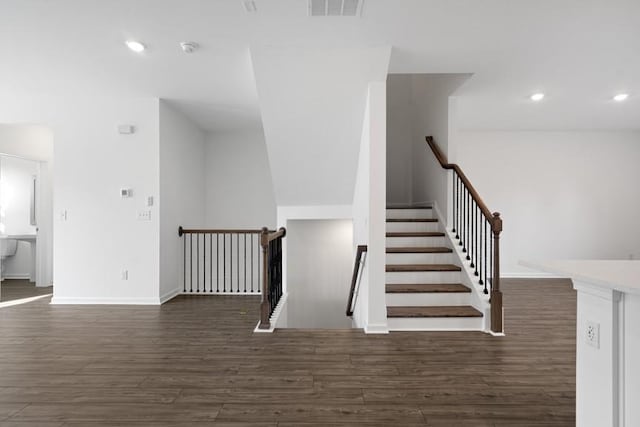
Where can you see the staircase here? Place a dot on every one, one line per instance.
(424, 286)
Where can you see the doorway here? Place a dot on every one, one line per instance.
(26, 212)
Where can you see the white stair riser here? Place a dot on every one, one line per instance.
(399, 242)
(439, 258)
(423, 277)
(413, 226)
(428, 299)
(409, 213)
(435, 323)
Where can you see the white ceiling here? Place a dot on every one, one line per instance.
(580, 52)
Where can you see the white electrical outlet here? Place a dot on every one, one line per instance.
(144, 216)
(125, 275)
(592, 334)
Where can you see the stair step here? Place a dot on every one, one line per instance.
(415, 234)
(409, 207)
(412, 220)
(417, 288)
(421, 267)
(434, 311)
(419, 250)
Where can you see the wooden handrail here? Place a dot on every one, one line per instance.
(354, 279)
(471, 238)
(182, 231)
(492, 217)
(272, 235)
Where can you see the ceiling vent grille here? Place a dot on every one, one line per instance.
(335, 7)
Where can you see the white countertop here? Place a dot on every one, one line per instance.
(623, 276)
(19, 236)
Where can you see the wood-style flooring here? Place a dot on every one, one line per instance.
(196, 362)
(13, 289)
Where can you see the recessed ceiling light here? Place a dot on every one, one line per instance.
(135, 46)
(621, 97)
(189, 47)
(537, 96)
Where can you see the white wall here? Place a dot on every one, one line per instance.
(182, 191)
(319, 273)
(418, 106)
(239, 189)
(28, 141)
(430, 102)
(312, 104)
(399, 140)
(16, 180)
(369, 212)
(101, 235)
(562, 195)
(36, 143)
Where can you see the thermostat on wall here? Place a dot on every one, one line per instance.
(126, 129)
(126, 192)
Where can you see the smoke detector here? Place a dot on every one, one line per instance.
(189, 47)
(335, 7)
(249, 6)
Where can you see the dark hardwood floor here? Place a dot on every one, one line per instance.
(195, 361)
(13, 289)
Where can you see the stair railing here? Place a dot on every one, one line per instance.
(478, 231)
(353, 295)
(237, 262)
(221, 261)
(271, 243)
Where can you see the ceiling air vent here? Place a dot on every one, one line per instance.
(335, 7)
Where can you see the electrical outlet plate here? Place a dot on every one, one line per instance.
(144, 215)
(592, 334)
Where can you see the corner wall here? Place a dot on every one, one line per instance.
(239, 188)
(182, 189)
(101, 234)
(419, 105)
(369, 212)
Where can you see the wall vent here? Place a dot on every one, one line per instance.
(335, 7)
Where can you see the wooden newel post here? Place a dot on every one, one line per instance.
(264, 305)
(496, 293)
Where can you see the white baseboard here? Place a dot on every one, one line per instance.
(169, 295)
(262, 331)
(380, 328)
(275, 316)
(17, 276)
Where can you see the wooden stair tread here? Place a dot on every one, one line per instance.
(421, 267)
(418, 288)
(419, 250)
(412, 220)
(434, 311)
(409, 207)
(415, 234)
